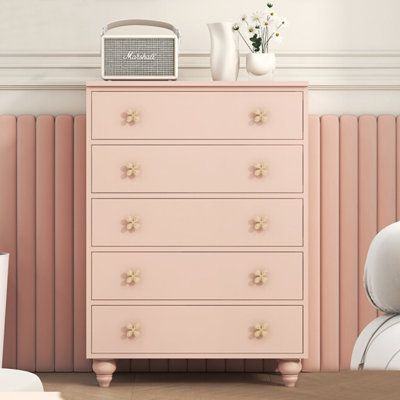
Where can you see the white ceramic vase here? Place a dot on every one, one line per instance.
(260, 64)
(225, 58)
(3, 298)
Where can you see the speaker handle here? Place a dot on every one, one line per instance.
(142, 22)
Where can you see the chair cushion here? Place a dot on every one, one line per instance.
(382, 270)
(13, 380)
(378, 346)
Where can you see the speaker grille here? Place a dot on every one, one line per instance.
(161, 52)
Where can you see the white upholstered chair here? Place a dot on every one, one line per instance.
(378, 346)
(12, 380)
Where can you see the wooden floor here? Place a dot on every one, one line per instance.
(210, 386)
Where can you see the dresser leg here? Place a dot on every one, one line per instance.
(104, 370)
(290, 370)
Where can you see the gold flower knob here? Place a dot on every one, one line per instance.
(132, 223)
(260, 223)
(260, 169)
(132, 330)
(260, 330)
(260, 116)
(132, 169)
(132, 277)
(260, 277)
(132, 117)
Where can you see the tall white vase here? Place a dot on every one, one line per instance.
(224, 52)
(3, 298)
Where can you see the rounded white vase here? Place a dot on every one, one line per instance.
(260, 64)
(224, 54)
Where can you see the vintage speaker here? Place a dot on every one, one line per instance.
(139, 57)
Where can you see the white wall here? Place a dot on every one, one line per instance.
(348, 50)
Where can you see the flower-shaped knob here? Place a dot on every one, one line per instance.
(260, 277)
(132, 117)
(260, 223)
(132, 277)
(260, 116)
(132, 169)
(132, 330)
(260, 330)
(260, 169)
(132, 223)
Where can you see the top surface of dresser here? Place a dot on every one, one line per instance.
(256, 84)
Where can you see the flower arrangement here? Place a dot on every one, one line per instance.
(264, 28)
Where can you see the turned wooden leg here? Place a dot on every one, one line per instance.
(104, 370)
(290, 370)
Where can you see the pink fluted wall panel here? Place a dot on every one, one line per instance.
(386, 170)
(79, 240)
(330, 243)
(313, 363)
(45, 240)
(64, 272)
(353, 159)
(26, 255)
(367, 206)
(348, 237)
(8, 230)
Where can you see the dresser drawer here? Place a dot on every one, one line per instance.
(197, 276)
(196, 115)
(197, 222)
(183, 329)
(196, 168)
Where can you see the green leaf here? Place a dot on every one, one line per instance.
(253, 38)
(256, 42)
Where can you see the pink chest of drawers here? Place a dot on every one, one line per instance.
(197, 216)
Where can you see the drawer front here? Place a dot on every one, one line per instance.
(197, 222)
(175, 169)
(212, 329)
(196, 115)
(197, 276)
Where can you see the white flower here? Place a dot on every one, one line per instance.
(277, 38)
(273, 19)
(284, 22)
(244, 17)
(258, 16)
